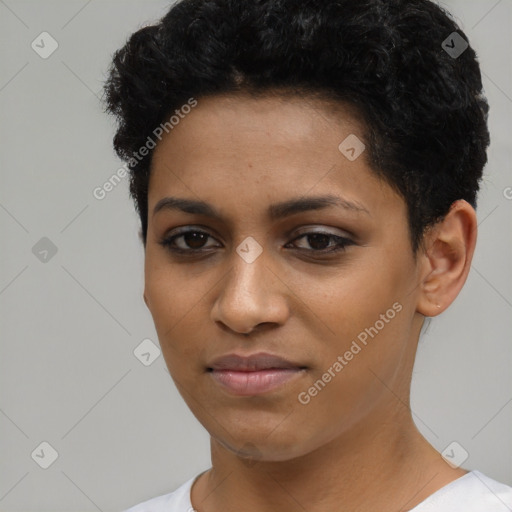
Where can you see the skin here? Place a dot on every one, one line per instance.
(354, 446)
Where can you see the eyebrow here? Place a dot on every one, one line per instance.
(275, 211)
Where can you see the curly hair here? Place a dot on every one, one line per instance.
(423, 109)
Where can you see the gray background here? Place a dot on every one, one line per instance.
(70, 324)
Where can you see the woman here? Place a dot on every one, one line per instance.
(306, 176)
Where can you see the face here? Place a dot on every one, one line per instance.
(263, 263)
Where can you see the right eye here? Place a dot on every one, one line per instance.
(193, 241)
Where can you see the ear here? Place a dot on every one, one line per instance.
(446, 258)
(145, 299)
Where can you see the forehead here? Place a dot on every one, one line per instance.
(254, 151)
(277, 120)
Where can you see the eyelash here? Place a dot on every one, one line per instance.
(342, 244)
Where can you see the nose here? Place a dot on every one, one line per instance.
(252, 295)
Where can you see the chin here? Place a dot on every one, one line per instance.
(258, 445)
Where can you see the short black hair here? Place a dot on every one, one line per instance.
(394, 61)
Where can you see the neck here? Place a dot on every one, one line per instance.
(383, 464)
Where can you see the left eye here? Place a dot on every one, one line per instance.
(318, 238)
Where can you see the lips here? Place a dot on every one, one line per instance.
(255, 374)
(254, 362)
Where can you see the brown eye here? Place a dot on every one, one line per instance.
(324, 242)
(195, 239)
(192, 241)
(318, 241)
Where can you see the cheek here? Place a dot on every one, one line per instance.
(369, 328)
(172, 300)
(340, 393)
(352, 299)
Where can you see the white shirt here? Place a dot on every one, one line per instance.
(472, 492)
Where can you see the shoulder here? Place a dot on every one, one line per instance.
(473, 492)
(176, 501)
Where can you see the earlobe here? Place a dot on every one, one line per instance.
(447, 256)
(145, 299)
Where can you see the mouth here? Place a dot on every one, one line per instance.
(255, 374)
